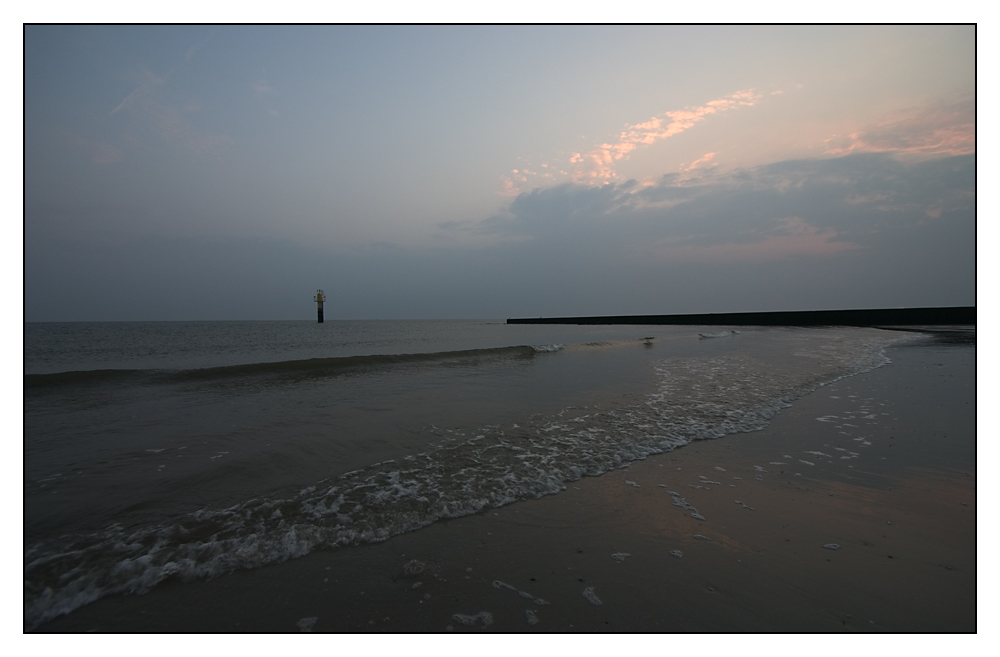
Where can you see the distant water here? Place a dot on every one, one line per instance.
(190, 449)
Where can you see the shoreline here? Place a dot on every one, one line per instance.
(763, 566)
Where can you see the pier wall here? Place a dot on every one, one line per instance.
(953, 316)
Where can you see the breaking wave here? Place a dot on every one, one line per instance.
(695, 399)
(315, 367)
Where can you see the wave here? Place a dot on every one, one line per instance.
(79, 377)
(605, 344)
(695, 399)
(294, 368)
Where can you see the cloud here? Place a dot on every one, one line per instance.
(795, 237)
(127, 99)
(934, 130)
(863, 230)
(106, 154)
(148, 80)
(97, 152)
(262, 86)
(815, 207)
(704, 159)
(597, 165)
(147, 115)
(264, 92)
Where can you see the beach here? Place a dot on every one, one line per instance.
(444, 330)
(853, 509)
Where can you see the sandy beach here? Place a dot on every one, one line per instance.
(854, 511)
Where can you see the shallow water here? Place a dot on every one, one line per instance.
(191, 449)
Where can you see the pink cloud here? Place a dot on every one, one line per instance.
(926, 131)
(507, 187)
(704, 159)
(597, 164)
(797, 238)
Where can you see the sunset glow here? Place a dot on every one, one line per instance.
(494, 171)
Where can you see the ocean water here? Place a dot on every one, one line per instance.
(191, 449)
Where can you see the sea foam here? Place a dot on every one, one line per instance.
(695, 399)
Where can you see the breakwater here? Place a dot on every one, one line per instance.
(953, 316)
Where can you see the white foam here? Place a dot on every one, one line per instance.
(484, 616)
(414, 567)
(591, 597)
(620, 556)
(696, 398)
(306, 624)
(497, 584)
(682, 503)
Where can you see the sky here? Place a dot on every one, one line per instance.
(227, 173)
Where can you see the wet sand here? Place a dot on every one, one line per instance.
(881, 465)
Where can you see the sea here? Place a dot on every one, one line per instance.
(188, 450)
